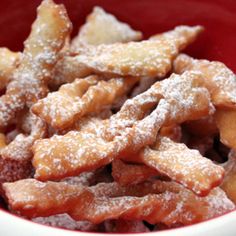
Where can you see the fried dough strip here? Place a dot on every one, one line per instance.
(229, 183)
(129, 174)
(124, 133)
(183, 35)
(148, 58)
(219, 80)
(103, 28)
(183, 165)
(168, 208)
(179, 92)
(77, 152)
(62, 108)
(226, 123)
(8, 62)
(30, 79)
(15, 159)
(173, 204)
(49, 198)
(44, 199)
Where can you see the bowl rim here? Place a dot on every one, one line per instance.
(219, 220)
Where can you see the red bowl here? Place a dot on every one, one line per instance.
(149, 16)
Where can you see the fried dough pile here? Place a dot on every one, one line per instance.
(108, 132)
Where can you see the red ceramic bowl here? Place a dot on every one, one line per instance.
(150, 16)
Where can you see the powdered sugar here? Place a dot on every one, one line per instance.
(219, 80)
(103, 28)
(147, 58)
(183, 165)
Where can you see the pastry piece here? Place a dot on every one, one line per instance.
(103, 28)
(89, 151)
(61, 105)
(219, 80)
(100, 28)
(34, 198)
(30, 78)
(226, 123)
(169, 203)
(149, 58)
(181, 94)
(183, 35)
(15, 158)
(229, 183)
(8, 62)
(124, 133)
(183, 165)
(129, 174)
(72, 101)
(168, 208)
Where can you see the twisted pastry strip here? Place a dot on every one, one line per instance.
(72, 101)
(30, 79)
(219, 80)
(183, 165)
(150, 58)
(166, 202)
(125, 132)
(103, 28)
(147, 58)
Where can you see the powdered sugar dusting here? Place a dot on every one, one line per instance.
(147, 58)
(183, 165)
(219, 80)
(103, 28)
(40, 55)
(82, 97)
(185, 95)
